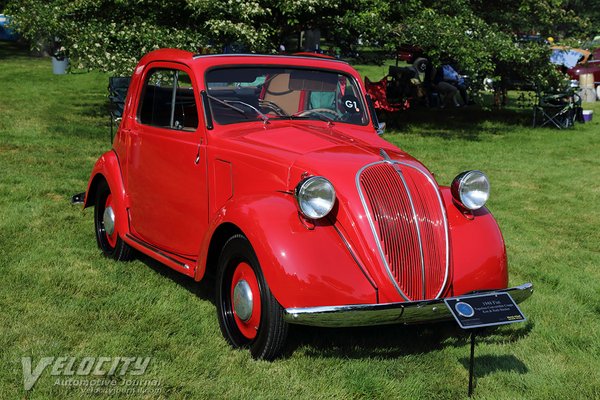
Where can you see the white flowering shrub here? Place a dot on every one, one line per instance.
(112, 35)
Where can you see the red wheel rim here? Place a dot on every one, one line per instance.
(248, 328)
(111, 239)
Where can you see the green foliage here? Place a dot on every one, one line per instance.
(481, 38)
(111, 35)
(107, 35)
(590, 11)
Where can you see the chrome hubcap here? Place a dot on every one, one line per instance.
(108, 219)
(242, 300)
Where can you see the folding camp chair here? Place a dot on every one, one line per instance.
(402, 84)
(378, 92)
(557, 109)
(117, 93)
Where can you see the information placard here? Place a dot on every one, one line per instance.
(479, 310)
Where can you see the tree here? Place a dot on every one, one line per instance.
(481, 36)
(111, 35)
(587, 9)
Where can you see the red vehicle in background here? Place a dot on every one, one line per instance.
(267, 173)
(412, 55)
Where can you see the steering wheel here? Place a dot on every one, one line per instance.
(273, 107)
(306, 113)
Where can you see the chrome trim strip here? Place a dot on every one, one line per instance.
(374, 230)
(446, 230)
(417, 225)
(155, 250)
(376, 236)
(385, 155)
(281, 56)
(355, 258)
(412, 312)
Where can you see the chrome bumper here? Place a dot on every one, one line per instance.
(388, 313)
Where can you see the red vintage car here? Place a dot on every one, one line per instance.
(267, 173)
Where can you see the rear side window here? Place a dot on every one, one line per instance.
(168, 101)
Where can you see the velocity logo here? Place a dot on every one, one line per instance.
(86, 366)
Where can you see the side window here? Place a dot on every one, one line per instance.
(168, 101)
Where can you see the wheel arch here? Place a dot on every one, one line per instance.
(91, 193)
(313, 261)
(107, 169)
(220, 236)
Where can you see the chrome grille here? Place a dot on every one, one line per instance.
(409, 223)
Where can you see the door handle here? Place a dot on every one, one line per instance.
(197, 160)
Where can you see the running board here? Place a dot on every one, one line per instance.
(163, 256)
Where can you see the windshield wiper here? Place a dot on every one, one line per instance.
(319, 115)
(263, 116)
(226, 104)
(244, 113)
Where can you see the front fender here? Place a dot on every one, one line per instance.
(478, 251)
(107, 168)
(303, 267)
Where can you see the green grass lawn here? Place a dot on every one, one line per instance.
(60, 297)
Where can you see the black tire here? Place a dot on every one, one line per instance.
(420, 64)
(112, 246)
(267, 342)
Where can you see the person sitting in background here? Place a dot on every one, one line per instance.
(434, 79)
(450, 76)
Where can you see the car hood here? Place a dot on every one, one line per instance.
(315, 148)
(375, 183)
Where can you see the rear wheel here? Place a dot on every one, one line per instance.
(107, 235)
(249, 315)
(420, 64)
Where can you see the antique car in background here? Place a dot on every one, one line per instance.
(412, 55)
(267, 173)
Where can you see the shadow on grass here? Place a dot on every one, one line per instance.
(385, 341)
(466, 123)
(392, 341)
(13, 50)
(488, 364)
(203, 289)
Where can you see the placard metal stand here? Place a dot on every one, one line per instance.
(473, 312)
(472, 362)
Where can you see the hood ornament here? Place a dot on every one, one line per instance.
(385, 155)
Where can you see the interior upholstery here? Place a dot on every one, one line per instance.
(278, 91)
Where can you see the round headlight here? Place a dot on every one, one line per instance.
(316, 197)
(471, 189)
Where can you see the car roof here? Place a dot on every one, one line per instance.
(207, 61)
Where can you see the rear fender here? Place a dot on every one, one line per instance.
(107, 169)
(303, 267)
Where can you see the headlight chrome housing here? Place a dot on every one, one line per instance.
(471, 189)
(315, 196)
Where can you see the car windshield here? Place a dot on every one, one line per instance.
(242, 94)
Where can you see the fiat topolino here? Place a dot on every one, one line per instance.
(268, 173)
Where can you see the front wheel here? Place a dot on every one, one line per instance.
(105, 225)
(249, 315)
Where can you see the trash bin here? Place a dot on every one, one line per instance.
(59, 67)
